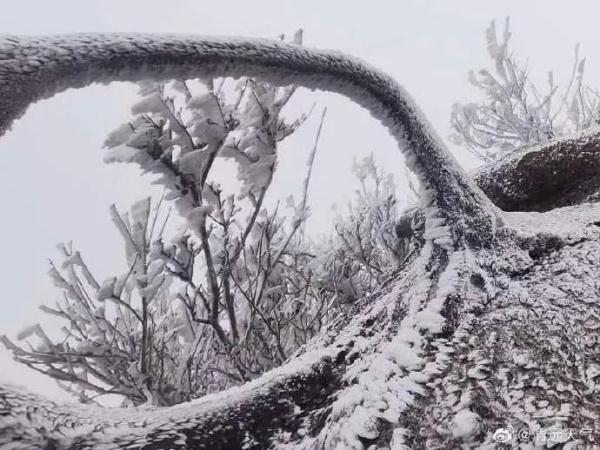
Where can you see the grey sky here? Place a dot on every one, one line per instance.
(54, 186)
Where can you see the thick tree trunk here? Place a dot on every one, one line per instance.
(490, 325)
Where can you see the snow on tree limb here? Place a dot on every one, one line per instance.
(33, 68)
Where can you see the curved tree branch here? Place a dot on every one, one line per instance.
(33, 68)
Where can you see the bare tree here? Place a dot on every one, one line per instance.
(488, 329)
(515, 111)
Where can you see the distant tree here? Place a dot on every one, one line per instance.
(366, 246)
(515, 111)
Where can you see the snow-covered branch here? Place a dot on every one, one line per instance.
(233, 293)
(44, 66)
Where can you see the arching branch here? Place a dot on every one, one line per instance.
(39, 67)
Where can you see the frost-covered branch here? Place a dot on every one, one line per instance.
(44, 66)
(366, 246)
(120, 335)
(233, 278)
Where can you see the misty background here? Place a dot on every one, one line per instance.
(54, 186)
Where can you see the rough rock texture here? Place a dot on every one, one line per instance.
(486, 334)
(560, 173)
(526, 359)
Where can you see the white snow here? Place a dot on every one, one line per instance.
(466, 424)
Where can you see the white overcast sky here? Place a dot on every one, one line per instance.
(54, 186)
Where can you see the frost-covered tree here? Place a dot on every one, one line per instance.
(230, 297)
(515, 110)
(488, 329)
(370, 240)
(122, 335)
(272, 292)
